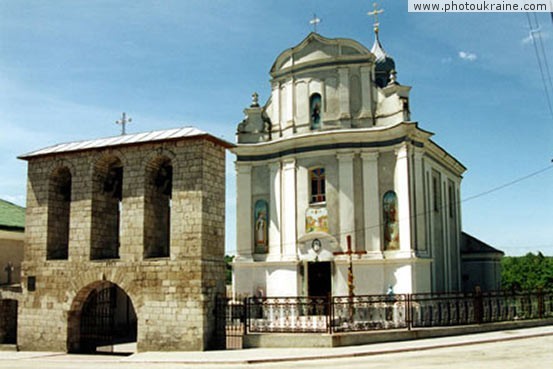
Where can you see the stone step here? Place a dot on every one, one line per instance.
(8, 347)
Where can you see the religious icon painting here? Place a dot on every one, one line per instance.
(390, 221)
(316, 220)
(261, 232)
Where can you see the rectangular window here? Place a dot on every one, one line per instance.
(451, 200)
(436, 196)
(318, 190)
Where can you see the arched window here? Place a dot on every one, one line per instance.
(318, 185)
(391, 226)
(59, 209)
(107, 207)
(315, 111)
(157, 208)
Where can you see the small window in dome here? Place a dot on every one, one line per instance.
(315, 111)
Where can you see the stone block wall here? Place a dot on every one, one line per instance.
(173, 296)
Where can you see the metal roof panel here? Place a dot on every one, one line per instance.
(151, 136)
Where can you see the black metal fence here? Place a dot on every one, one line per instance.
(374, 312)
(338, 314)
(230, 318)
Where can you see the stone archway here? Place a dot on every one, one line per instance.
(101, 315)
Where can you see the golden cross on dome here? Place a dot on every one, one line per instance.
(314, 22)
(374, 14)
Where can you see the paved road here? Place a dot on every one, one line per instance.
(535, 352)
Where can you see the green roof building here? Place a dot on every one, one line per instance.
(12, 238)
(12, 217)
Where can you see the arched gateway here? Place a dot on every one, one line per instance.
(101, 314)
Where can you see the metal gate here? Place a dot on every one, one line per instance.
(97, 319)
(230, 317)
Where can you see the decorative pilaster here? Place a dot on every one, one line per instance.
(371, 204)
(401, 184)
(289, 111)
(366, 92)
(277, 116)
(244, 240)
(419, 195)
(288, 232)
(343, 91)
(274, 210)
(345, 198)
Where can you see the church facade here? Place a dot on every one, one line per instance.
(332, 170)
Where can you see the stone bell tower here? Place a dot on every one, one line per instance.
(125, 242)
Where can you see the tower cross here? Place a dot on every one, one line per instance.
(123, 122)
(374, 14)
(314, 22)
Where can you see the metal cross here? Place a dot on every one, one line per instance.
(374, 14)
(314, 22)
(9, 269)
(351, 285)
(123, 122)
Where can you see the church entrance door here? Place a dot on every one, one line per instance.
(318, 279)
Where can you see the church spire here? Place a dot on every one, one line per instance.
(384, 64)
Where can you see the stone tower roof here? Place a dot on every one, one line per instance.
(130, 139)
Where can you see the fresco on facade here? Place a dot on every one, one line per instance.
(261, 234)
(391, 226)
(316, 220)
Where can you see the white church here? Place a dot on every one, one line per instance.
(333, 171)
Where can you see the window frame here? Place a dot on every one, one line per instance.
(317, 176)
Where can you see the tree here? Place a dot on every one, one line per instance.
(228, 268)
(529, 272)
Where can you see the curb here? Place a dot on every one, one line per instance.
(369, 352)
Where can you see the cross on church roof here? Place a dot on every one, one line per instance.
(375, 13)
(123, 122)
(314, 22)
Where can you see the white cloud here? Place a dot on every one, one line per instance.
(465, 55)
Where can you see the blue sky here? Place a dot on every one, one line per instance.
(68, 69)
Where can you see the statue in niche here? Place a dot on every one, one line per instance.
(391, 226)
(260, 227)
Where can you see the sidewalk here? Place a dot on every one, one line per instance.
(258, 356)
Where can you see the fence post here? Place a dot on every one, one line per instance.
(330, 300)
(478, 305)
(409, 312)
(245, 316)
